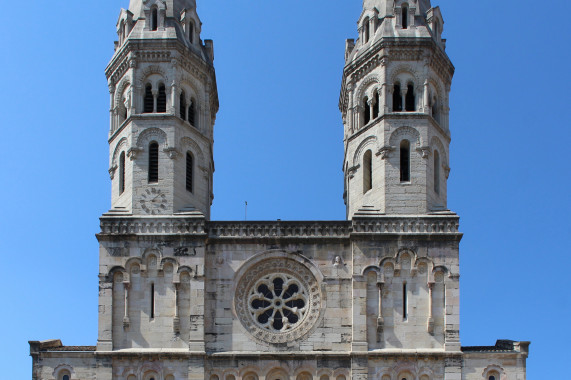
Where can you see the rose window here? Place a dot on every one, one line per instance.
(278, 300)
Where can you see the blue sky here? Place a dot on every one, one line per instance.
(279, 146)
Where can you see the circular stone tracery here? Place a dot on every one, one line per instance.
(278, 300)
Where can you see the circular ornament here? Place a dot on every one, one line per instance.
(278, 300)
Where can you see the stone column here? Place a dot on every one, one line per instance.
(155, 99)
(403, 94)
(176, 320)
(430, 323)
(172, 105)
(380, 319)
(126, 321)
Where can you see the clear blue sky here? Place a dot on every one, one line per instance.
(279, 147)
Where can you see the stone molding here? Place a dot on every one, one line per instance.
(197, 226)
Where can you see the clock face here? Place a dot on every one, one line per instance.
(153, 201)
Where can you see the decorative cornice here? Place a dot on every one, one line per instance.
(447, 224)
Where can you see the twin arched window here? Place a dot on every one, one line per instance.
(187, 112)
(371, 108)
(152, 103)
(407, 104)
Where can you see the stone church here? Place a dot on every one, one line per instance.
(375, 296)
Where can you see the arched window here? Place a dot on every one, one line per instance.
(410, 98)
(121, 173)
(492, 378)
(154, 18)
(192, 113)
(183, 106)
(404, 12)
(149, 99)
(376, 105)
(123, 34)
(405, 161)
(436, 172)
(367, 171)
(162, 99)
(189, 171)
(191, 32)
(153, 162)
(397, 98)
(65, 377)
(434, 109)
(366, 111)
(366, 30)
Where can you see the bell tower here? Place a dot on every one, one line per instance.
(394, 104)
(163, 106)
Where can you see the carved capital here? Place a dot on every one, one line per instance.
(352, 170)
(133, 152)
(112, 171)
(171, 152)
(425, 151)
(385, 152)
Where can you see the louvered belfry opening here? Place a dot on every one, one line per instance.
(122, 173)
(189, 170)
(153, 162)
(405, 161)
(397, 99)
(162, 99)
(182, 106)
(367, 171)
(149, 100)
(192, 113)
(410, 98)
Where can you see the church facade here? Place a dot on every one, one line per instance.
(375, 296)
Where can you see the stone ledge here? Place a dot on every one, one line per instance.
(196, 225)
